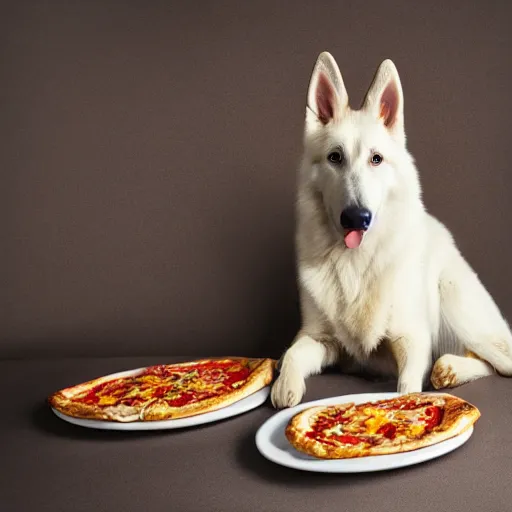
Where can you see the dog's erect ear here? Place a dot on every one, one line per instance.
(327, 96)
(385, 99)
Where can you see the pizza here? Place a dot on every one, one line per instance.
(395, 425)
(165, 391)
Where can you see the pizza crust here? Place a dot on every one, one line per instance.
(458, 416)
(261, 375)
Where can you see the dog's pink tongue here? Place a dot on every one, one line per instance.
(354, 238)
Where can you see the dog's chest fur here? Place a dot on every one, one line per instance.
(352, 298)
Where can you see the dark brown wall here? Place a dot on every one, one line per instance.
(148, 154)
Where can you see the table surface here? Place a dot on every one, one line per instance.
(50, 465)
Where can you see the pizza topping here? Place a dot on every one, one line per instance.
(237, 377)
(376, 420)
(183, 399)
(349, 439)
(408, 406)
(388, 430)
(177, 385)
(416, 430)
(434, 417)
(375, 423)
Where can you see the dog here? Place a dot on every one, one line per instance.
(383, 288)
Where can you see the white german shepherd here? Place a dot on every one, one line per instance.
(383, 287)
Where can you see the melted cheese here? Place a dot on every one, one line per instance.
(377, 418)
(336, 430)
(416, 430)
(373, 424)
(107, 400)
(370, 411)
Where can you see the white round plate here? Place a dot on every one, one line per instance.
(274, 446)
(244, 405)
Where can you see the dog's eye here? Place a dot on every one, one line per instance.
(376, 159)
(335, 157)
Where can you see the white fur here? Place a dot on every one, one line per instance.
(405, 296)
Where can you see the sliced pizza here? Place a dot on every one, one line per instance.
(395, 425)
(166, 391)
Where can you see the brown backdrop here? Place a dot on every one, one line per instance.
(148, 154)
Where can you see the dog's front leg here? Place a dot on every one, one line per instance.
(305, 357)
(413, 359)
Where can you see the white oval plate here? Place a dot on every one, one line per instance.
(273, 445)
(244, 405)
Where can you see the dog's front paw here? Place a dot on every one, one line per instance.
(288, 389)
(408, 386)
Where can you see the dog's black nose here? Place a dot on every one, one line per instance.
(355, 217)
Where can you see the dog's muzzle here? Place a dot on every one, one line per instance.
(356, 218)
